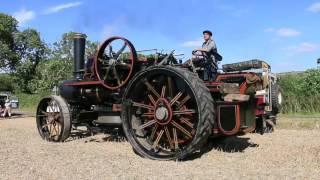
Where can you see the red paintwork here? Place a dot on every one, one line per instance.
(83, 83)
(260, 102)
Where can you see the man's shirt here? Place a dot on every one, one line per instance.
(210, 46)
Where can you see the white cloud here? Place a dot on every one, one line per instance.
(305, 47)
(23, 16)
(315, 7)
(61, 7)
(283, 32)
(193, 43)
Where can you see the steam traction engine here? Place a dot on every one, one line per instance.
(166, 110)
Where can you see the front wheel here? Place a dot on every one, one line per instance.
(167, 113)
(53, 119)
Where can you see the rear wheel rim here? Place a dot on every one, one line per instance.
(164, 119)
(50, 120)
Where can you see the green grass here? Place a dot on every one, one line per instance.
(300, 122)
(29, 102)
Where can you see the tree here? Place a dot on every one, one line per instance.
(8, 56)
(63, 49)
(31, 50)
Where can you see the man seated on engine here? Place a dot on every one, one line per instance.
(207, 57)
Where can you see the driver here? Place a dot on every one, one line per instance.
(207, 56)
(207, 50)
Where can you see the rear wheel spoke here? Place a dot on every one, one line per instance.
(184, 112)
(152, 99)
(150, 87)
(175, 99)
(175, 138)
(163, 91)
(170, 90)
(147, 124)
(186, 121)
(183, 101)
(156, 142)
(168, 137)
(136, 104)
(154, 130)
(148, 114)
(182, 129)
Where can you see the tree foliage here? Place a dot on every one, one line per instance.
(8, 29)
(301, 92)
(32, 50)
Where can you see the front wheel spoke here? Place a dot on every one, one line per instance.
(45, 113)
(163, 91)
(168, 137)
(183, 101)
(156, 142)
(147, 124)
(142, 105)
(50, 130)
(182, 129)
(175, 98)
(150, 87)
(183, 112)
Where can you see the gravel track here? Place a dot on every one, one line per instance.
(285, 154)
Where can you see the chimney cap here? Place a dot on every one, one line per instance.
(80, 35)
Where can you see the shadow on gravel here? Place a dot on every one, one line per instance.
(232, 144)
(110, 136)
(14, 115)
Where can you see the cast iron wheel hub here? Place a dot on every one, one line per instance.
(162, 113)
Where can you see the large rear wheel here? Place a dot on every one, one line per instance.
(167, 113)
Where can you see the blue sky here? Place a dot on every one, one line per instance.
(285, 33)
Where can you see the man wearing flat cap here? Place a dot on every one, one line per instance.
(207, 56)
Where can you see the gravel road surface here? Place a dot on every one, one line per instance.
(284, 154)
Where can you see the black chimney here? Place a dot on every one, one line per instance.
(79, 44)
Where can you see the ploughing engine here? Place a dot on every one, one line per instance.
(165, 108)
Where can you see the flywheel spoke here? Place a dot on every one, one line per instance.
(116, 75)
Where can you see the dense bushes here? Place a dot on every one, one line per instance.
(6, 82)
(301, 92)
